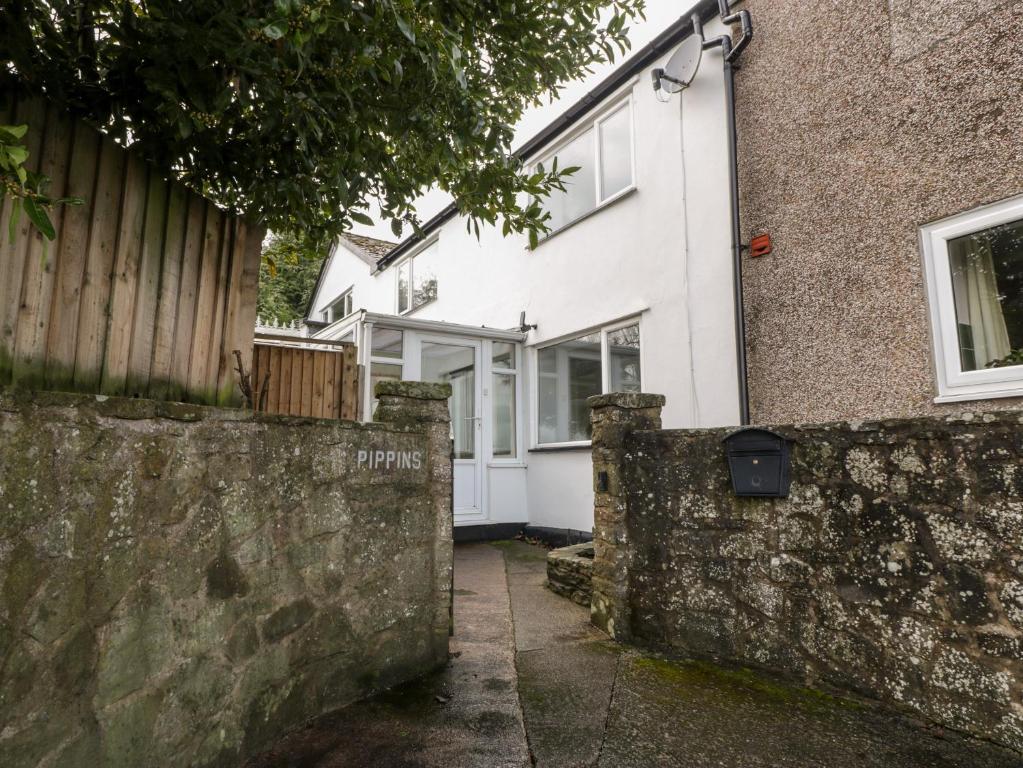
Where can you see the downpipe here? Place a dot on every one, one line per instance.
(731, 52)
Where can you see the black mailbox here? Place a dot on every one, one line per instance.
(759, 462)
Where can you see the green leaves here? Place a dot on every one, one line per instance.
(1015, 357)
(286, 277)
(12, 153)
(18, 182)
(17, 156)
(37, 215)
(299, 112)
(12, 224)
(405, 28)
(9, 134)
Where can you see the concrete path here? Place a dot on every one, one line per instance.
(563, 696)
(466, 715)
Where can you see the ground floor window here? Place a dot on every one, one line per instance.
(504, 374)
(623, 356)
(386, 357)
(607, 360)
(974, 266)
(383, 372)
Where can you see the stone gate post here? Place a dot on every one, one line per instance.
(614, 416)
(420, 405)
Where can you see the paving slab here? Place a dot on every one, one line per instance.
(590, 702)
(464, 715)
(566, 667)
(531, 682)
(701, 715)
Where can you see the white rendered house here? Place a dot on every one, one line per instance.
(633, 290)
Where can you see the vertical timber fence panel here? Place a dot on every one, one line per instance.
(147, 289)
(300, 381)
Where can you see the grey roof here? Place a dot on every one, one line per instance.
(369, 249)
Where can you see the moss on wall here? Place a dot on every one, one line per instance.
(894, 568)
(179, 584)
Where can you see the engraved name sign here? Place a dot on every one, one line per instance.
(381, 459)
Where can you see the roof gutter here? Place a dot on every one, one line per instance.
(670, 37)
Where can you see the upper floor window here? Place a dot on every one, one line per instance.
(606, 360)
(417, 280)
(974, 267)
(338, 308)
(603, 155)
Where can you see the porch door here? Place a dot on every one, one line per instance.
(457, 362)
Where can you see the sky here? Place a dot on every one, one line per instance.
(659, 15)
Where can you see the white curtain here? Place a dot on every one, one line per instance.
(976, 299)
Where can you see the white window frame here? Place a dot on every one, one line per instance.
(955, 384)
(410, 262)
(605, 375)
(593, 125)
(490, 369)
(348, 292)
(402, 362)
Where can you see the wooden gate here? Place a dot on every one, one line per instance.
(294, 380)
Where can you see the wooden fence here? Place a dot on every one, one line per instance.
(297, 381)
(147, 289)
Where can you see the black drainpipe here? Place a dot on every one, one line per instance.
(731, 53)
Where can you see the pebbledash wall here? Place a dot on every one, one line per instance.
(903, 112)
(180, 584)
(894, 569)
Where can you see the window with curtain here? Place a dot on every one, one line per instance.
(987, 286)
(973, 265)
(573, 370)
(623, 358)
(580, 194)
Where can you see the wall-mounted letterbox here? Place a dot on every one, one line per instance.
(759, 462)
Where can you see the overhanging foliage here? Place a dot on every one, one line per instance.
(287, 276)
(300, 112)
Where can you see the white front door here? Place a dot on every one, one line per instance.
(457, 362)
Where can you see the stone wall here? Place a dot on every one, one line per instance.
(570, 572)
(894, 569)
(180, 585)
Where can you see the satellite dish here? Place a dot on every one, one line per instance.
(681, 67)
